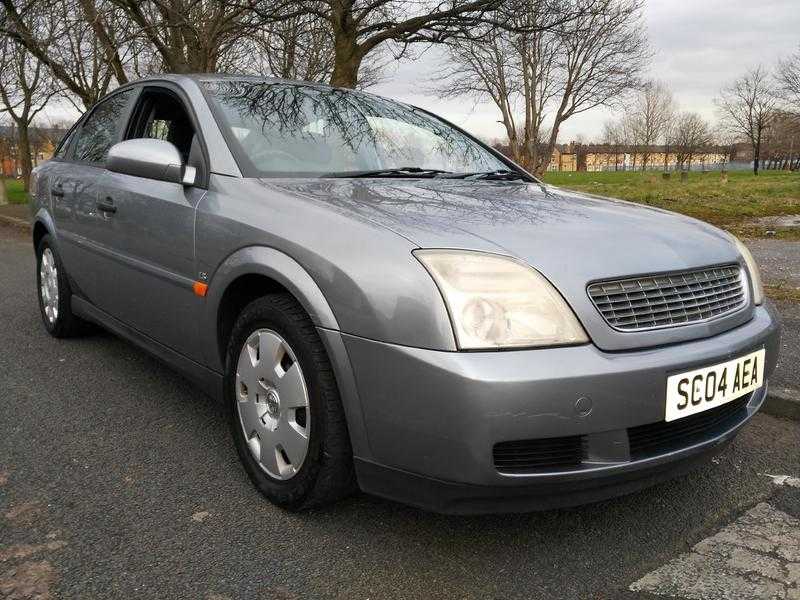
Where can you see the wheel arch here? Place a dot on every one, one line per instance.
(248, 274)
(42, 225)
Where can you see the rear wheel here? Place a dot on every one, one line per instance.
(284, 408)
(54, 292)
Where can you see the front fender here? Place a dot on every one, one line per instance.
(261, 260)
(43, 217)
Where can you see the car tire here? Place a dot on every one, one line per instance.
(274, 358)
(54, 293)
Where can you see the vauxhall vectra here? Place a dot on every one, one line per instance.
(383, 302)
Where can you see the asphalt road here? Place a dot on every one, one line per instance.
(779, 260)
(118, 479)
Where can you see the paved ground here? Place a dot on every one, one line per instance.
(779, 260)
(17, 211)
(780, 266)
(787, 377)
(757, 556)
(118, 479)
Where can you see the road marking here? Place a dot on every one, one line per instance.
(757, 557)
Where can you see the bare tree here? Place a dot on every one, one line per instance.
(300, 47)
(781, 145)
(539, 75)
(616, 136)
(363, 27)
(650, 117)
(86, 44)
(747, 107)
(788, 75)
(194, 36)
(690, 134)
(360, 27)
(25, 88)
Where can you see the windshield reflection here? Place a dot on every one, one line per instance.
(285, 128)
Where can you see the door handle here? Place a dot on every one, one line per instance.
(106, 206)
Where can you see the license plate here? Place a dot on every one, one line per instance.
(702, 389)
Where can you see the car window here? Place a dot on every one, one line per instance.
(299, 130)
(102, 128)
(162, 116)
(63, 146)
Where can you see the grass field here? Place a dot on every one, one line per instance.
(15, 191)
(732, 205)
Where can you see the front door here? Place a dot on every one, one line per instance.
(151, 233)
(152, 237)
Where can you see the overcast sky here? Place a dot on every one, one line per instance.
(699, 46)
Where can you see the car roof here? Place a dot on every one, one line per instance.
(207, 77)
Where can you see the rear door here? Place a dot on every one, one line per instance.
(152, 231)
(74, 191)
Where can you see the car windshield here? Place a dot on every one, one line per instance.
(291, 129)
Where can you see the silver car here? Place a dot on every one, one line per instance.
(384, 302)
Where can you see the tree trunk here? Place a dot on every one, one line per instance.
(109, 46)
(756, 158)
(345, 72)
(537, 165)
(24, 153)
(347, 54)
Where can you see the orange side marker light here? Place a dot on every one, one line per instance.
(200, 288)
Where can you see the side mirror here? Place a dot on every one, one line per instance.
(151, 159)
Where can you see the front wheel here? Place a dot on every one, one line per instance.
(284, 408)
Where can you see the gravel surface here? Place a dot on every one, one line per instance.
(118, 479)
(779, 260)
(786, 375)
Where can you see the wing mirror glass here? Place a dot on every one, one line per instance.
(151, 159)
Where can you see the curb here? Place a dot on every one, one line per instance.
(15, 222)
(783, 403)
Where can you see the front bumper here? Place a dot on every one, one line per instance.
(432, 418)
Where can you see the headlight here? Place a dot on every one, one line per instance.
(752, 268)
(497, 302)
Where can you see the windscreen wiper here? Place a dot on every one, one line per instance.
(398, 172)
(499, 175)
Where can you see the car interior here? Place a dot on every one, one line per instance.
(160, 115)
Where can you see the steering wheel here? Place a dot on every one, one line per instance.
(265, 156)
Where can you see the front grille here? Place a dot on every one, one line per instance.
(657, 301)
(657, 438)
(545, 454)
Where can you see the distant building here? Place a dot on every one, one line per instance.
(43, 140)
(564, 158)
(609, 157)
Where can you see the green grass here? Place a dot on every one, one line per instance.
(732, 205)
(15, 191)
